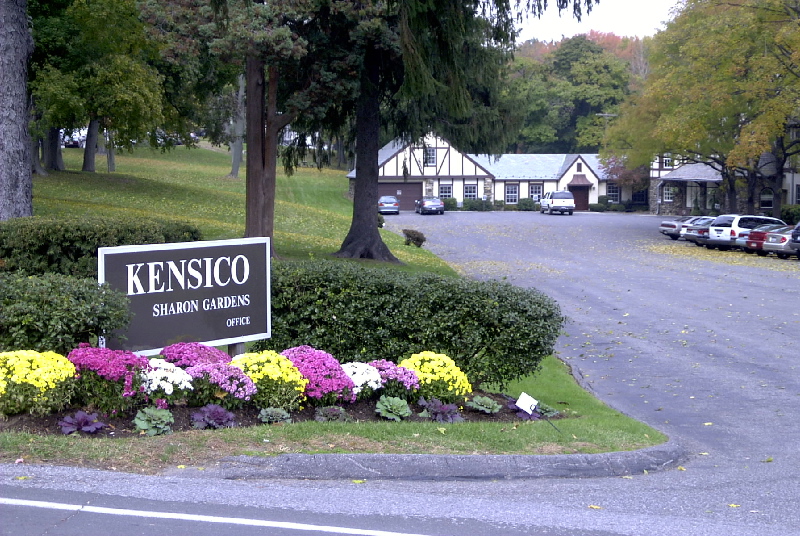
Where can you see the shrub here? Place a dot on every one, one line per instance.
(790, 213)
(327, 381)
(57, 312)
(332, 414)
(392, 408)
(278, 382)
(526, 204)
(414, 237)
(494, 331)
(598, 207)
(397, 381)
(69, 245)
(500, 205)
(81, 422)
(439, 376)
(107, 380)
(602, 200)
(214, 416)
(381, 221)
(450, 203)
(189, 354)
(477, 205)
(617, 207)
(154, 421)
(366, 379)
(38, 383)
(222, 383)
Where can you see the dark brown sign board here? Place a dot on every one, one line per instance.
(213, 292)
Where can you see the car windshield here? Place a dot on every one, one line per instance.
(562, 195)
(387, 199)
(723, 221)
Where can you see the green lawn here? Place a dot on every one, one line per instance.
(312, 218)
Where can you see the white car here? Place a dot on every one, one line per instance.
(561, 201)
(725, 229)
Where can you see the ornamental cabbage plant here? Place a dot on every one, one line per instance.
(165, 382)
(220, 383)
(365, 378)
(189, 354)
(279, 384)
(439, 376)
(327, 381)
(39, 383)
(107, 380)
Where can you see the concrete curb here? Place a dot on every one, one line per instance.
(433, 467)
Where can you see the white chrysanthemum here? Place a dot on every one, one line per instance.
(363, 375)
(166, 377)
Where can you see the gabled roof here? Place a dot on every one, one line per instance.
(693, 173)
(547, 167)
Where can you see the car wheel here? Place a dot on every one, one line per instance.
(698, 244)
(671, 236)
(761, 253)
(724, 248)
(570, 213)
(550, 211)
(782, 255)
(710, 247)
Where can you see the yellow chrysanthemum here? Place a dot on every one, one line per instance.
(280, 384)
(439, 376)
(34, 381)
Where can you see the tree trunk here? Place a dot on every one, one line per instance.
(111, 160)
(237, 129)
(36, 162)
(90, 150)
(363, 240)
(52, 150)
(254, 182)
(16, 46)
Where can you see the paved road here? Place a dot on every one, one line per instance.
(701, 348)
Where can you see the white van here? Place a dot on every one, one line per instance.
(562, 202)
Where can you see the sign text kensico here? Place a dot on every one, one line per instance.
(215, 292)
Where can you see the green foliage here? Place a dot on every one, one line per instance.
(332, 414)
(68, 245)
(484, 404)
(526, 204)
(499, 205)
(57, 312)
(439, 411)
(414, 237)
(493, 330)
(597, 207)
(790, 213)
(602, 200)
(477, 205)
(392, 408)
(450, 203)
(381, 221)
(274, 416)
(154, 421)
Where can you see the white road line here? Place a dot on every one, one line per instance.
(200, 518)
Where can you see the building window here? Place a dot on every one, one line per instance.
(612, 191)
(766, 198)
(537, 190)
(580, 167)
(445, 191)
(640, 197)
(470, 191)
(669, 193)
(512, 194)
(666, 161)
(429, 157)
(797, 194)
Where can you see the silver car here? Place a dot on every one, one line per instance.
(388, 204)
(429, 205)
(779, 242)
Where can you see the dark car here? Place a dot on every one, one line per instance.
(794, 242)
(429, 205)
(388, 204)
(757, 237)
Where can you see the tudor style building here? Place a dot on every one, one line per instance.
(433, 167)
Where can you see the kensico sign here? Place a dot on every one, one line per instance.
(215, 292)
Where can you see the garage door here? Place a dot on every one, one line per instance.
(405, 192)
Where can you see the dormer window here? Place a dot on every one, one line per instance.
(666, 161)
(429, 157)
(580, 167)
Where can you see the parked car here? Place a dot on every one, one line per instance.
(429, 205)
(779, 242)
(672, 228)
(725, 229)
(756, 237)
(561, 201)
(74, 138)
(697, 232)
(388, 204)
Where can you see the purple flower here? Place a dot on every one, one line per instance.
(111, 365)
(327, 380)
(225, 377)
(390, 371)
(188, 354)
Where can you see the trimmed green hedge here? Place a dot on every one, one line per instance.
(69, 245)
(56, 312)
(494, 331)
(790, 213)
